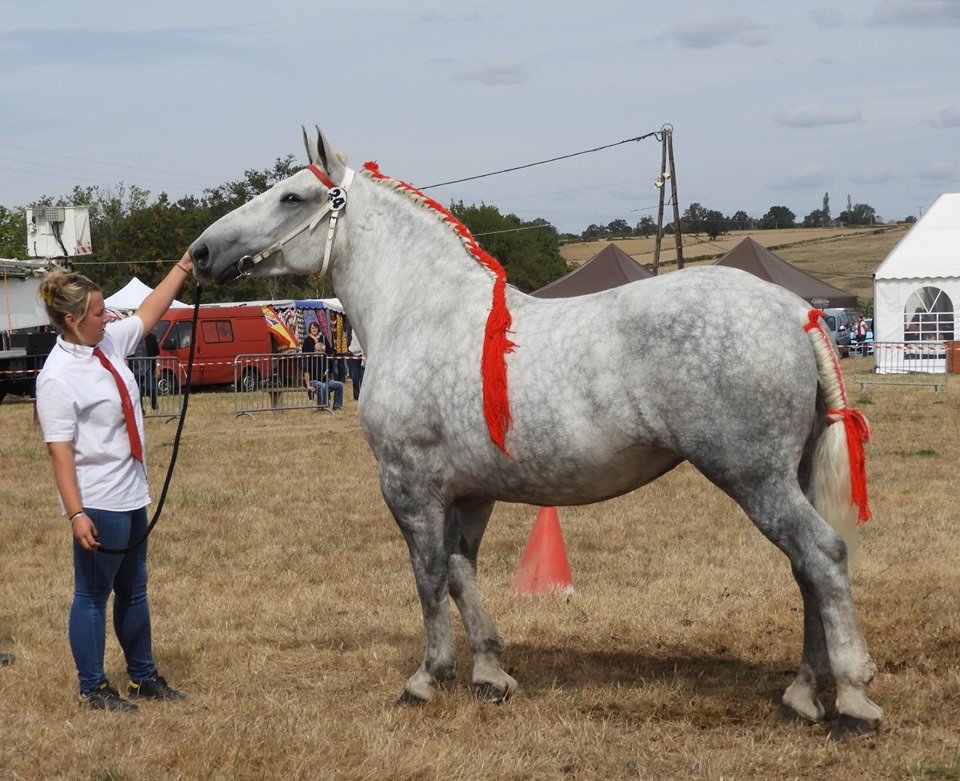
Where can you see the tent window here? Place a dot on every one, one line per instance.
(928, 315)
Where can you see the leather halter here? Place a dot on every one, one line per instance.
(336, 201)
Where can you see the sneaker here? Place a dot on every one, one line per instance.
(7, 658)
(105, 697)
(154, 689)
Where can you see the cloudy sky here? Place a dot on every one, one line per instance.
(771, 104)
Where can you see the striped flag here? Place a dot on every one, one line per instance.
(278, 329)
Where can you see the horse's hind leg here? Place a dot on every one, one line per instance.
(819, 559)
(801, 700)
(465, 528)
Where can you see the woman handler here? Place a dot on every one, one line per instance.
(84, 404)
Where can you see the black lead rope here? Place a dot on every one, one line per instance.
(176, 439)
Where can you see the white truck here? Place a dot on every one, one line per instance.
(55, 234)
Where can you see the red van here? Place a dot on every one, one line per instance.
(224, 332)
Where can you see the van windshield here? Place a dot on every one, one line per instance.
(160, 329)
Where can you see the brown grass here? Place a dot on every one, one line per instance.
(283, 604)
(843, 257)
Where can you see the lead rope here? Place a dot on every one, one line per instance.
(176, 439)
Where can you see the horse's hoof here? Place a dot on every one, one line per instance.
(487, 692)
(791, 714)
(851, 727)
(410, 699)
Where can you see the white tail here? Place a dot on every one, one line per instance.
(832, 480)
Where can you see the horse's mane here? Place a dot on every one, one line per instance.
(496, 343)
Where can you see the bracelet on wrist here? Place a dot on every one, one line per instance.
(183, 269)
(78, 512)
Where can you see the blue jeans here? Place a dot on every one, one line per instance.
(95, 576)
(355, 367)
(323, 388)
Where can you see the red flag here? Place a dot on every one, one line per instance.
(278, 328)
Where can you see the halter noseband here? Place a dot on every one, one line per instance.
(336, 201)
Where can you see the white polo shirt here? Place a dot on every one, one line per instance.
(78, 401)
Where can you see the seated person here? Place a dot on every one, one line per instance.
(313, 368)
(323, 388)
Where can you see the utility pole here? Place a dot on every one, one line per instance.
(659, 185)
(668, 171)
(676, 203)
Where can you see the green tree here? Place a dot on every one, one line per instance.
(646, 227)
(778, 217)
(619, 228)
(859, 214)
(528, 251)
(13, 234)
(693, 219)
(741, 221)
(816, 219)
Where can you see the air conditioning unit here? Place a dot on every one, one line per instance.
(58, 231)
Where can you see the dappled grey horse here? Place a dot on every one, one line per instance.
(491, 410)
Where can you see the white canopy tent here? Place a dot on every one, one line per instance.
(917, 287)
(131, 295)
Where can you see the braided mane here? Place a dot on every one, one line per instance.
(496, 343)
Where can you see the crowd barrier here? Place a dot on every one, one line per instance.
(275, 382)
(907, 363)
(160, 381)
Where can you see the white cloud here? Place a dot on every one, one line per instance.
(874, 176)
(808, 176)
(950, 117)
(827, 18)
(501, 73)
(942, 171)
(708, 29)
(920, 14)
(815, 115)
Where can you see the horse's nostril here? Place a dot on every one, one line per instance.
(201, 256)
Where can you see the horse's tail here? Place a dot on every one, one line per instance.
(838, 482)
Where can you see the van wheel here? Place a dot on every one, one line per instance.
(250, 380)
(168, 384)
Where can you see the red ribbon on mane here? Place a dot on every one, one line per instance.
(496, 343)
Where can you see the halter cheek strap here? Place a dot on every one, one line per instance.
(336, 201)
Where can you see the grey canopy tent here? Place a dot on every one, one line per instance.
(610, 267)
(751, 256)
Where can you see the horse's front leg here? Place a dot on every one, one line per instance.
(464, 531)
(420, 516)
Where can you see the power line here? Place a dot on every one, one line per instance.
(655, 133)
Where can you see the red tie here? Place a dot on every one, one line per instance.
(136, 448)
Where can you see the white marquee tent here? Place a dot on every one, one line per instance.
(917, 287)
(131, 295)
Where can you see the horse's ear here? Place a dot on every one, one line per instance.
(328, 159)
(312, 157)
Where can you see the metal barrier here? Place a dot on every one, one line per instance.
(907, 363)
(276, 382)
(160, 380)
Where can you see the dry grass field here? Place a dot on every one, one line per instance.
(843, 257)
(284, 605)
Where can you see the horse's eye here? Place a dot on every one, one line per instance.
(291, 198)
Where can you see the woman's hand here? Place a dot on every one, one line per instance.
(85, 532)
(186, 262)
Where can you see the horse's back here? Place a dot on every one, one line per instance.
(610, 390)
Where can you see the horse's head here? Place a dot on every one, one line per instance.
(279, 231)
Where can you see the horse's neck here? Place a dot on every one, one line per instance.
(401, 264)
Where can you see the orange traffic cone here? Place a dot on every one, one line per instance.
(543, 566)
